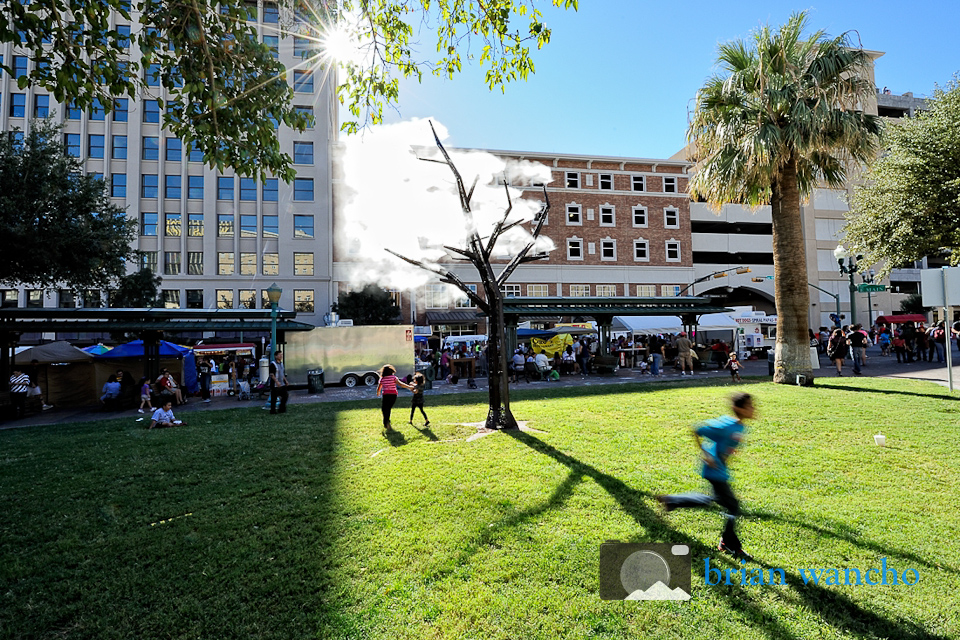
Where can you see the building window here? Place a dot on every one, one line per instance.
(303, 226)
(607, 290)
(248, 190)
(579, 290)
(464, 302)
(608, 249)
(151, 111)
(148, 260)
(669, 185)
(303, 300)
(19, 66)
(9, 299)
(303, 154)
(248, 264)
(94, 146)
(174, 150)
(171, 187)
(119, 148)
(639, 216)
(34, 298)
(641, 251)
(538, 290)
(303, 264)
(435, 297)
(18, 105)
(225, 266)
(671, 218)
(573, 214)
(195, 225)
(171, 263)
(574, 249)
(673, 251)
(118, 185)
(151, 148)
(225, 188)
(194, 298)
(172, 225)
(646, 290)
(511, 290)
(41, 106)
(194, 263)
(225, 225)
(270, 190)
(573, 180)
(224, 298)
(151, 75)
(248, 298)
(248, 226)
(637, 183)
(96, 111)
(271, 227)
(303, 81)
(149, 185)
(121, 108)
(195, 187)
(670, 290)
(195, 154)
(607, 216)
(72, 111)
(67, 300)
(307, 112)
(606, 182)
(303, 189)
(302, 47)
(71, 144)
(271, 264)
(171, 299)
(91, 299)
(273, 43)
(271, 13)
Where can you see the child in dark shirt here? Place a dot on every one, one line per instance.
(419, 383)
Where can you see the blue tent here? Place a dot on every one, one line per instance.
(526, 334)
(167, 350)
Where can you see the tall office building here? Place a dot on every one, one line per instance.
(218, 240)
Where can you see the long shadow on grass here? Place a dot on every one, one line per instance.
(837, 531)
(834, 608)
(895, 392)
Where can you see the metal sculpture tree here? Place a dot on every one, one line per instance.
(478, 252)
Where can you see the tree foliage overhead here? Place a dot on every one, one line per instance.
(909, 204)
(225, 90)
(59, 227)
(140, 289)
(781, 117)
(370, 305)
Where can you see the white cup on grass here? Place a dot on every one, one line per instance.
(880, 439)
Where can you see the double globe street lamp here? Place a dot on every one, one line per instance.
(850, 268)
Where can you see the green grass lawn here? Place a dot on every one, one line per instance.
(314, 525)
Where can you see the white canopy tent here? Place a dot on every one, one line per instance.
(652, 325)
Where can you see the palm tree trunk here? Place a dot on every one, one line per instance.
(790, 277)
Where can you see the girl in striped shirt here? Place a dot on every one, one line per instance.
(387, 388)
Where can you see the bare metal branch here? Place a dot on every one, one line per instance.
(518, 259)
(446, 276)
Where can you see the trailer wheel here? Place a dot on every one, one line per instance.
(371, 379)
(350, 381)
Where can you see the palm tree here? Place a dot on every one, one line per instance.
(784, 114)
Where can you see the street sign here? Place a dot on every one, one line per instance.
(871, 288)
(934, 283)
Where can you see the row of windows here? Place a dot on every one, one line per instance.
(608, 216)
(227, 264)
(436, 296)
(608, 249)
(226, 228)
(303, 299)
(606, 182)
(173, 187)
(150, 149)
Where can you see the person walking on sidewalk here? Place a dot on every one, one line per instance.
(837, 349)
(723, 435)
(858, 346)
(684, 357)
(205, 369)
(278, 384)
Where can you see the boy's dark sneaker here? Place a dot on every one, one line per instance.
(736, 553)
(665, 504)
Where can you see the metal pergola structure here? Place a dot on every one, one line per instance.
(603, 309)
(149, 324)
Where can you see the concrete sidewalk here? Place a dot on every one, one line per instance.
(876, 366)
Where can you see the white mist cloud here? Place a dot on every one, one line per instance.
(389, 198)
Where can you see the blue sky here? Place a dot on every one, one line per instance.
(619, 77)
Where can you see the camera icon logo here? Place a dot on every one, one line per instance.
(644, 571)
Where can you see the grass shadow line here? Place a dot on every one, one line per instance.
(894, 392)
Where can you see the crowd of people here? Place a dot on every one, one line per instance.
(908, 342)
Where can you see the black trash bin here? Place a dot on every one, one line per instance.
(770, 359)
(427, 371)
(315, 381)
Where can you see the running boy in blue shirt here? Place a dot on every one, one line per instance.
(722, 435)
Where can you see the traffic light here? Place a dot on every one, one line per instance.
(742, 270)
(758, 279)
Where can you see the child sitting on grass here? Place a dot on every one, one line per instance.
(163, 417)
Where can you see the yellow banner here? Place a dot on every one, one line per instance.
(553, 345)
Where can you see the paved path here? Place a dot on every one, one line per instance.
(877, 366)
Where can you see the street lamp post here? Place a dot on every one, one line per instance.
(849, 269)
(273, 295)
(868, 279)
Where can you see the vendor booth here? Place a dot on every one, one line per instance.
(130, 358)
(64, 374)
